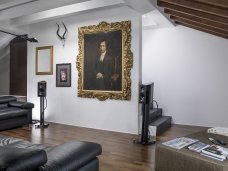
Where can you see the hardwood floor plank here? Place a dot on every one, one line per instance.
(119, 153)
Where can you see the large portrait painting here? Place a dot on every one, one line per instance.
(105, 60)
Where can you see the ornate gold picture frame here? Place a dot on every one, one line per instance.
(105, 60)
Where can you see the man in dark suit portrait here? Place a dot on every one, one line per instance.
(103, 68)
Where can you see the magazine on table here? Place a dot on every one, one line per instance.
(179, 143)
(198, 146)
(220, 159)
(216, 152)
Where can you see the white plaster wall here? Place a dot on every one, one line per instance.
(63, 104)
(189, 69)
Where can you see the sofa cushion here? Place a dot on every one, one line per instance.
(22, 105)
(18, 159)
(29, 145)
(3, 105)
(12, 112)
(71, 155)
(6, 99)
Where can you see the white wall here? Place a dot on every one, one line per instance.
(189, 69)
(63, 104)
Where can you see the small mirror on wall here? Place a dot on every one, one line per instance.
(44, 60)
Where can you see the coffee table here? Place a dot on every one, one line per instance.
(170, 159)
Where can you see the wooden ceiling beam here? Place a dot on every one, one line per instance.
(201, 29)
(201, 26)
(218, 3)
(194, 12)
(210, 9)
(197, 19)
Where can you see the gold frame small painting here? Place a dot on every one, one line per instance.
(44, 60)
(105, 61)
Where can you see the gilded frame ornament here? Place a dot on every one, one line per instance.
(116, 37)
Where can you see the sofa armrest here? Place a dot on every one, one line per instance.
(72, 155)
(18, 159)
(22, 105)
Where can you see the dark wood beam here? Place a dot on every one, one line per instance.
(199, 7)
(201, 27)
(194, 12)
(197, 19)
(208, 27)
(218, 3)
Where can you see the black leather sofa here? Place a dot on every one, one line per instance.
(21, 155)
(14, 113)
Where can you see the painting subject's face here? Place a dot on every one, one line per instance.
(102, 47)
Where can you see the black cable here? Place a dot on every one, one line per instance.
(148, 134)
(45, 104)
(156, 103)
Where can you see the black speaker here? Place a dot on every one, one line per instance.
(146, 93)
(42, 89)
(146, 100)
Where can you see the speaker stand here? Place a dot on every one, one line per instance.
(149, 142)
(145, 139)
(42, 123)
(45, 125)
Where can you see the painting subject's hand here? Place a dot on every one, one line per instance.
(99, 75)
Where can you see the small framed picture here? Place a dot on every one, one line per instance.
(63, 75)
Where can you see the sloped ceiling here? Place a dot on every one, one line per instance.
(210, 16)
(16, 13)
(7, 4)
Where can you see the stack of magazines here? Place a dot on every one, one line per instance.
(198, 146)
(179, 143)
(215, 152)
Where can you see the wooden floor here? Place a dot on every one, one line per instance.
(119, 152)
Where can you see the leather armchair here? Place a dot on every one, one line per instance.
(14, 113)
